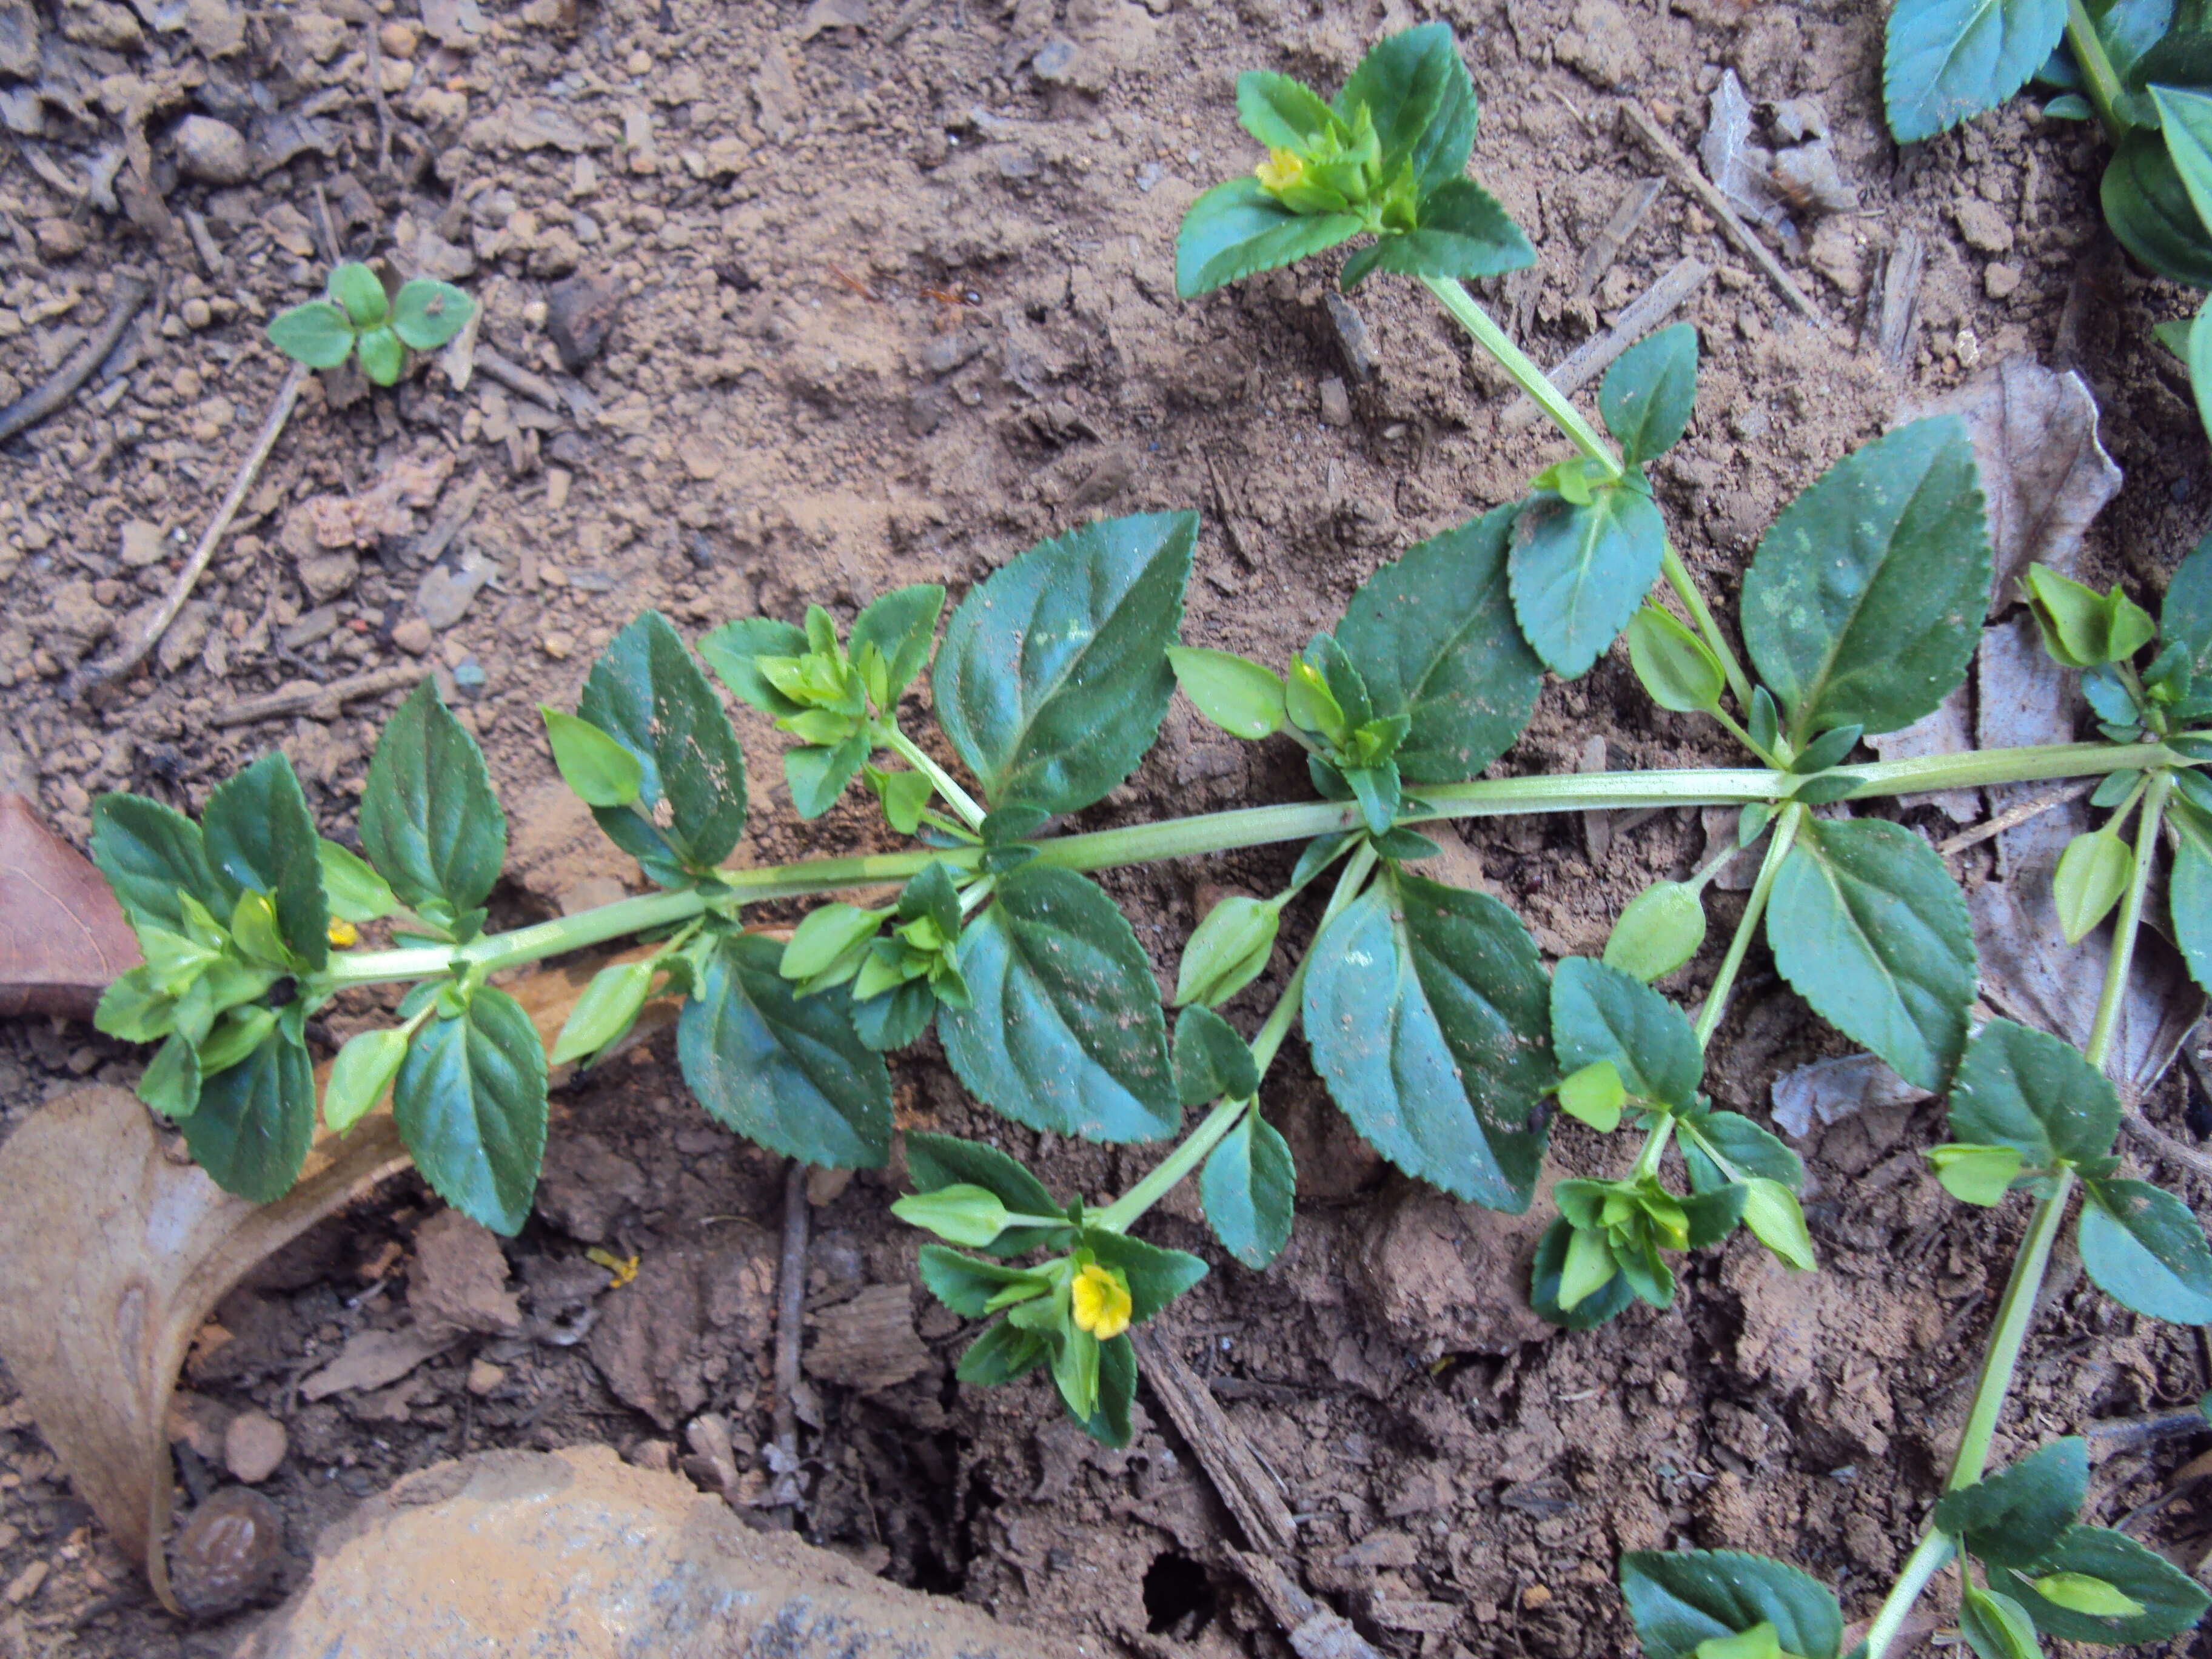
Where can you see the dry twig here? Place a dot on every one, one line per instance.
(2011, 818)
(134, 652)
(59, 387)
(1220, 1448)
(790, 1321)
(1637, 318)
(321, 702)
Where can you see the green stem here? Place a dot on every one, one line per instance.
(942, 781)
(1477, 322)
(1785, 832)
(1739, 734)
(1249, 826)
(1123, 1212)
(2102, 80)
(2128, 921)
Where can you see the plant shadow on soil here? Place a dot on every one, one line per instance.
(787, 416)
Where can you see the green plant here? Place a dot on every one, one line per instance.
(360, 318)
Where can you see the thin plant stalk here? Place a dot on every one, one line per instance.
(1715, 1003)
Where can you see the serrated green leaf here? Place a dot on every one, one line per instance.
(1416, 89)
(1065, 1032)
(1283, 113)
(1657, 931)
(1579, 573)
(1053, 672)
(2171, 1601)
(1749, 1152)
(787, 1071)
(1238, 228)
(2143, 1248)
(1945, 61)
(816, 774)
(1679, 1598)
(1003, 1353)
(1211, 1061)
(1600, 1013)
(1428, 1016)
(2024, 1089)
(1867, 927)
(1646, 396)
(425, 314)
(429, 822)
(252, 1126)
(733, 651)
(260, 836)
(2184, 616)
(152, 857)
(1863, 602)
(647, 694)
(1243, 697)
(600, 770)
(2014, 1516)
(902, 625)
(363, 1070)
(316, 334)
(1460, 231)
(469, 1102)
(1248, 1185)
(1432, 638)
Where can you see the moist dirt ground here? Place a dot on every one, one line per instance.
(807, 301)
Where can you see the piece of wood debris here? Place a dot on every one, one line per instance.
(59, 387)
(1898, 314)
(1605, 247)
(1686, 175)
(1221, 1449)
(1313, 1630)
(1637, 318)
(321, 702)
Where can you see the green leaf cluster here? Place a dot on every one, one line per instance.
(1386, 157)
(358, 319)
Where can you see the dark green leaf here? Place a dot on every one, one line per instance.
(171, 1082)
(2013, 1517)
(1579, 573)
(1946, 60)
(1248, 1185)
(1414, 86)
(1866, 925)
(316, 334)
(816, 774)
(1646, 396)
(902, 625)
(1865, 600)
(1544, 1277)
(1828, 787)
(2023, 1089)
(1765, 727)
(1002, 1353)
(2171, 1601)
(897, 1017)
(937, 1161)
(470, 1106)
(382, 357)
(1211, 1061)
(429, 822)
(647, 693)
(253, 1123)
(1432, 638)
(1237, 229)
(1679, 1598)
(733, 649)
(1054, 673)
(1713, 1215)
(1065, 1032)
(2189, 894)
(150, 855)
(2185, 616)
(425, 314)
(787, 1071)
(1428, 1017)
(963, 1282)
(1825, 751)
(2145, 1250)
(1600, 1013)
(1462, 232)
(1280, 112)
(259, 834)
(2185, 116)
(1157, 1277)
(2147, 208)
(1117, 1387)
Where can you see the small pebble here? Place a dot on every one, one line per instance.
(24, 1585)
(226, 1552)
(557, 645)
(640, 63)
(2001, 282)
(413, 636)
(1535, 1596)
(1336, 402)
(399, 39)
(484, 1376)
(60, 239)
(557, 492)
(197, 314)
(252, 1446)
(213, 150)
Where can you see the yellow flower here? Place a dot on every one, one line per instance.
(1282, 169)
(341, 933)
(1101, 1297)
(623, 1267)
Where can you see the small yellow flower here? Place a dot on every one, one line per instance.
(1282, 169)
(1100, 1298)
(342, 933)
(623, 1267)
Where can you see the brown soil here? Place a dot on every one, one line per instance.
(785, 414)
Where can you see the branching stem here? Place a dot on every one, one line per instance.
(915, 756)
(1716, 1005)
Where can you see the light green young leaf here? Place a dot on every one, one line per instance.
(1227, 951)
(607, 1008)
(2092, 874)
(1283, 113)
(359, 1076)
(357, 893)
(1996, 1626)
(1771, 1210)
(2144, 1248)
(1594, 1094)
(1416, 89)
(1429, 1020)
(1867, 925)
(154, 857)
(2171, 1602)
(935, 1161)
(1579, 573)
(600, 771)
(1678, 669)
(355, 290)
(1975, 1175)
(426, 314)
(1657, 931)
(733, 650)
(316, 334)
(959, 1215)
(1247, 1186)
(1550, 1288)
(171, 1082)
(1053, 672)
(382, 357)
(1243, 697)
(902, 625)
(1863, 604)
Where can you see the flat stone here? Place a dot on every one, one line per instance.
(579, 315)
(575, 1552)
(141, 543)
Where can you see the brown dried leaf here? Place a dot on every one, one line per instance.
(2034, 431)
(1741, 169)
(62, 938)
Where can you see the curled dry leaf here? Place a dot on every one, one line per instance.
(62, 937)
(117, 1251)
(2034, 431)
(1829, 1091)
(1741, 169)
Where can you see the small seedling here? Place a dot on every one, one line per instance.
(360, 319)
